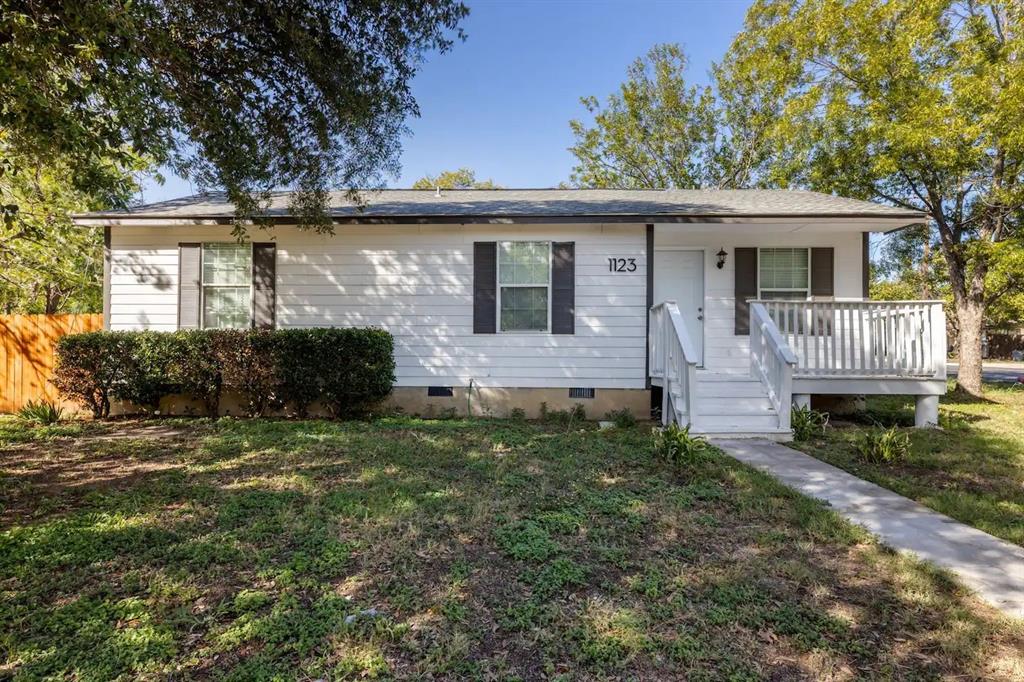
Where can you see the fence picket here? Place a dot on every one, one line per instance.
(27, 344)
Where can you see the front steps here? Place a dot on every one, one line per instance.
(734, 405)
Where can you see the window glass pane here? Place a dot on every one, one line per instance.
(783, 269)
(783, 295)
(227, 263)
(523, 262)
(524, 308)
(226, 307)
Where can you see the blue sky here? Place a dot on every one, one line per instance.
(500, 102)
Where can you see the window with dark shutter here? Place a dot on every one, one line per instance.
(823, 271)
(264, 277)
(189, 283)
(745, 260)
(563, 288)
(485, 287)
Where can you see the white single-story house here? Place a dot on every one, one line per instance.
(721, 307)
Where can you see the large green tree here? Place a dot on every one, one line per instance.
(241, 95)
(463, 178)
(918, 103)
(47, 264)
(660, 132)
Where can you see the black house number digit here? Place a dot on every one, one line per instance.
(622, 265)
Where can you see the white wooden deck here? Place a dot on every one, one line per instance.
(799, 348)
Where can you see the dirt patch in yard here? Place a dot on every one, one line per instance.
(44, 477)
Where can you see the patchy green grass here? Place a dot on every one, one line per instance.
(401, 548)
(971, 469)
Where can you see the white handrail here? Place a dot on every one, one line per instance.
(674, 361)
(863, 338)
(772, 361)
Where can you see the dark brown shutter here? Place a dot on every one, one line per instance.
(264, 278)
(746, 286)
(822, 271)
(106, 277)
(189, 264)
(485, 287)
(865, 273)
(563, 287)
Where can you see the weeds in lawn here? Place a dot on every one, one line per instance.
(675, 445)
(808, 423)
(403, 548)
(568, 418)
(45, 412)
(884, 446)
(622, 419)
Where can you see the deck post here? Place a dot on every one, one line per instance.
(801, 401)
(926, 411)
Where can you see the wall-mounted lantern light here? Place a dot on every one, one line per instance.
(721, 258)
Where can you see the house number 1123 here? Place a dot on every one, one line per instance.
(622, 265)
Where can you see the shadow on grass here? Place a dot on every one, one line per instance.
(460, 549)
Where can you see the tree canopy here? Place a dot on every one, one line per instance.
(917, 103)
(246, 96)
(463, 178)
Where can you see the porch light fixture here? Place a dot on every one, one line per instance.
(721, 258)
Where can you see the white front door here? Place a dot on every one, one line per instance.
(679, 277)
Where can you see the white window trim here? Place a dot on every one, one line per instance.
(806, 290)
(497, 275)
(203, 285)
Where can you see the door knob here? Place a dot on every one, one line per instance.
(700, 317)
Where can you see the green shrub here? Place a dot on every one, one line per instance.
(247, 360)
(145, 359)
(884, 446)
(44, 412)
(567, 418)
(348, 370)
(677, 446)
(359, 372)
(89, 366)
(623, 419)
(808, 423)
(192, 368)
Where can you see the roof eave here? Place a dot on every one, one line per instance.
(887, 223)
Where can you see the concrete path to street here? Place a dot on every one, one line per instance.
(990, 566)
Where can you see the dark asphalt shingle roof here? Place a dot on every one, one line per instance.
(539, 203)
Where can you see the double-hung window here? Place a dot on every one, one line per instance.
(524, 286)
(227, 285)
(784, 274)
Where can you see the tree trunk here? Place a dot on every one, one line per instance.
(970, 321)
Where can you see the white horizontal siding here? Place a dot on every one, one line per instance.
(723, 350)
(417, 282)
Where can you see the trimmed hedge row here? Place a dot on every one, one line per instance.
(347, 370)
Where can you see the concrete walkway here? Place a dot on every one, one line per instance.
(988, 565)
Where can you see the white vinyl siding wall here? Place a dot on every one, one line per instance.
(723, 350)
(417, 282)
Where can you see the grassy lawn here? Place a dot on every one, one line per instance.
(446, 549)
(971, 469)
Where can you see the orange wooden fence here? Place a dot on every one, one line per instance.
(27, 353)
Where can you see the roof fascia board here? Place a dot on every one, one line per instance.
(868, 222)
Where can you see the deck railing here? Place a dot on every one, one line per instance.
(772, 361)
(673, 361)
(862, 338)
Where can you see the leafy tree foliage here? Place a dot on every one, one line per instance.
(48, 265)
(658, 132)
(918, 103)
(463, 178)
(242, 95)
